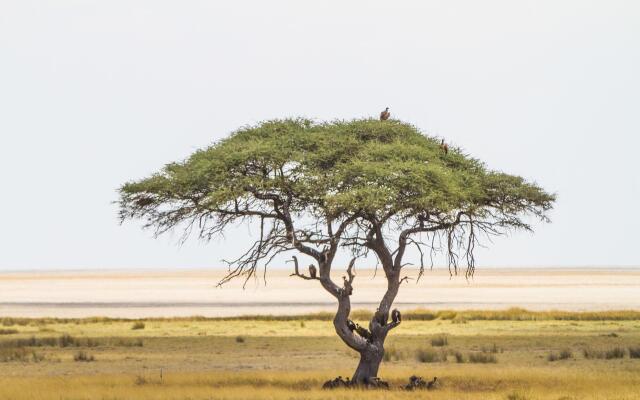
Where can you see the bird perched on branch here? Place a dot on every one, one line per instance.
(363, 332)
(385, 114)
(351, 325)
(312, 271)
(348, 289)
(444, 147)
(396, 317)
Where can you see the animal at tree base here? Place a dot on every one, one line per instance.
(444, 147)
(312, 271)
(385, 114)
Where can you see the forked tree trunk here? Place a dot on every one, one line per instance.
(369, 343)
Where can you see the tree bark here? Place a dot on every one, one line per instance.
(368, 366)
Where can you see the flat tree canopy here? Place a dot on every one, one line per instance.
(366, 185)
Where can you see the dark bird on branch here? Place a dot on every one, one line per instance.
(385, 114)
(363, 332)
(348, 289)
(351, 325)
(396, 317)
(312, 271)
(444, 147)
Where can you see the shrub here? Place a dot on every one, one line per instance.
(239, 339)
(7, 355)
(493, 349)
(616, 352)
(427, 356)
(8, 331)
(124, 342)
(516, 396)
(83, 356)
(459, 319)
(566, 354)
(392, 354)
(591, 353)
(439, 341)
(140, 380)
(138, 325)
(634, 352)
(563, 355)
(482, 358)
(67, 340)
(459, 357)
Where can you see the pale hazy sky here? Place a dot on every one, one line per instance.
(95, 93)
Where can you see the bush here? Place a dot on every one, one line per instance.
(566, 354)
(616, 352)
(459, 319)
(138, 325)
(563, 355)
(8, 331)
(123, 342)
(428, 356)
(67, 340)
(392, 354)
(83, 356)
(482, 358)
(439, 341)
(493, 349)
(459, 357)
(516, 396)
(239, 339)
(634, 352)
(590, 353)
(23, 355)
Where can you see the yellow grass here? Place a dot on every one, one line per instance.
(290, 359)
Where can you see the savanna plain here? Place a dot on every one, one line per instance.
(510, 354)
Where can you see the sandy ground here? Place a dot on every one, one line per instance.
(187, 293)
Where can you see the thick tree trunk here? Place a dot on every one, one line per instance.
(370, 360)
(368, 343)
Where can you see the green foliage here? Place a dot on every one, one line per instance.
(331, 169)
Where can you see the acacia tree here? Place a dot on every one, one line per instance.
(366, 186)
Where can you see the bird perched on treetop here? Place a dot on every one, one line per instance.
(444, 147)
(385, 114)
(312, 270)
(396, 317)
